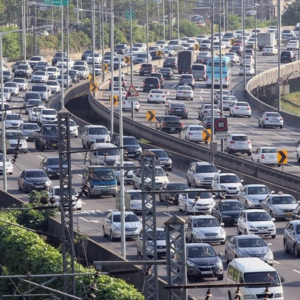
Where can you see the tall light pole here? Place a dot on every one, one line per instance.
(93, 41)
(164, 22)
(3, 141)
(279, 50)
(24, 28)
(212, 7)
(244, 41)
(147, 25)
(221, 74)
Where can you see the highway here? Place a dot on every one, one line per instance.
(89, 220)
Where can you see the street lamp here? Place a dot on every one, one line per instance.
(2, 99)
(254, 13)
(177, 20)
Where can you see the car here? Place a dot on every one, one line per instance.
(9, 166)
(85, 54)
(7, 75)
(196, 202)
(170, 62)
(287, 56)
(171, 124)
(204, 229)
(187, 79)
(151, 83)
(135, 202)
(94, 134)
(41, 66)
(171, 197)
(74, 74)
(58, 56)
(13, 87)
(128, 172)
(33, 103)
(47, 115)
(160, 77)
(54, 86)
(240, 108)
(252, 195)
(280, 205)
(65, 62)
(16, 141)
(43, 90)
(73, 128)
(96, 57)
(200, 174)
(218, 95)
(116, 82)
(250, 246)
(228, 100)
(248, 60)
(205, 110)
(22, 83)
(28, 129)
(265, 155)
(55, 192)
(82, 70)
(23, 70)
(169, 52)
(13, 121)
(206, 121)
(273, 119)
(227, 211)
(237, 49)
(256, 221)
(31, 95)
(33, 114)
(160, 178)
(238, 143)
(184, 92)
(192, 133)
(142, 46)
(162, 159)
(33, 179)
(6, 94)
(16, 64)
(66, 79)
(7, 109)
(112, 225)
(202, 55)
(229, 182)
(35, 59)
(177, 109)
(205, 44)
(121, 48)
(270, 50)
(51, 166)
(131, 145)
(167, 73)
(53, 72)
(249, 70)
(162, 44)
(116, 92)
(142, 58)
(291, 237)
(156, 96)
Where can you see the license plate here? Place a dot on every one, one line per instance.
(172, 128)
(54, 145)
(288, 214)
(235, 220)
(39, 186)
(206, 272)
(178, 109)
(216, 80)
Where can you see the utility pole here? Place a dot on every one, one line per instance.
(279, 51)
(212, 74)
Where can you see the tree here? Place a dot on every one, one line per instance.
(292, 14)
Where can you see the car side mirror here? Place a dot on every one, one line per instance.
(222, 224)
(242, 180)
(272, 192)
(169, 154)
(281, 278)
(220, 254)
(273, 219)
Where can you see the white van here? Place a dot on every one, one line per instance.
(253, 270)
(105, 154)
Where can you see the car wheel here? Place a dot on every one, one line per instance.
(111, 236)
(245, 232)
(188, 183)
(273, 236)
(296, 251)
(228, 151)
(259, 125)
(83, 145)
(249, 116)
(249, 153)
(104, 234)
(226, 257)
(238, 231)
(281, 127)
(186, 211)
(220, 277)
(271, 214)
(194, 184)
(160, 199)
(286, 249)
(19, 186)
(222, 243)
(177, 98)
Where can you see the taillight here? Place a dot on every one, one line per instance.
(226, 78)
(143, 84)
(232, 142)
(170, 73)
(181, 125)
(172, 109)
(262, 156)
(164, 124)
(163, 96)
(248, 108)
(151, 68)
(190, 133)
(266, 119)
(206, 78)
(151, 96)
(205, 111)
(280, 119)
(141, 68)
(248, 142)
(236, 107)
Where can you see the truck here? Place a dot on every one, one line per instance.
(46, 137)
(265, 39)
(185, 60)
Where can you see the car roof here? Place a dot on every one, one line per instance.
(202, 217)
(238, 134)
(250, 236)
(253, 210)
(254, 185)
(126, 212)
(198, 245)
(203, 163)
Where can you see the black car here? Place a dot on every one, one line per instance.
(206, 121)
(131, 144)
(58, 56)
(33, 179)
(187, 79)
(227, 211)
(170, 62)
(151, 83)
(121, 49)
(157, 57)
(160, 77)
(51, 166)
(41, 66)
(7, 76)
(287, 56)
(171, 198)
(74, 75)
(167, 73)
(237, 49)
(170, 124)
(177, 109)
(147, 68)
(85, 54)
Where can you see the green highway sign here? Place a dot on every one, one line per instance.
(57, 2)
(127, 14)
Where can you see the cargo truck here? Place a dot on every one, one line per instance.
(185, 60)
(265, 39)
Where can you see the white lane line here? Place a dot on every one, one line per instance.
(40, 157)
(296, 271)
(79, 153)
(166, 213)
(99, 211)
(173, 86)
(245, 125)
(79, 175)
(201, 91)
(276, 262)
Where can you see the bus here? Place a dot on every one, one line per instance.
(226, 71)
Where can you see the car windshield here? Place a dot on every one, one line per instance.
(207, 222)
(130, 141)
(251, 243)
(258, 190)
(229, 179)
(157, 92)
(135, 196)
(10, 84)
(72, 123)
(13, 117)
(273, 150)
(112, 151)
(128, 218)
(258, 216)
(13, 135)
(22, 67)
(98, 131)
(66, 192)
(49, 112)
(103, 175)
(35, 173)
(176, 186)
(19, 80)
(50, 130)
(35, 58)
(224, 206)
(284, 200)
(198, 195)
(240, 138)
(79, 68)
(184, 88)
(200, 251)
(206, 169)
(54, 83)
(270, 277)
(53, 161)
(39, 88)
(160, 235)
(34, 102)
(31, 126)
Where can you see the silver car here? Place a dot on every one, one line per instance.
(134, 198)
(28, 129)
(22, 83)
(16, 139)
(43, 90)
(13, 121)
(273, 119)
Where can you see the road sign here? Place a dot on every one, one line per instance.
(132, 92)
(132, 99)
(56, 2)
(127, 60)
(280, 81)
(105, 67)
(116, 100)
(206, 135)
(91, 77)
(221, 124)
(150, 115)
(159, 53)
(221, 135)
(93, 87)
(196, 47)
(282, 157)
(127, 14)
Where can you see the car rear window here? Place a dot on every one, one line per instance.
(198, 67)
(242, 104)
(240, 138)
(273, 150)
(273, 115)
(146, 65)
(151, 79)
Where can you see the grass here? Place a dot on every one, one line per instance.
(288, 107)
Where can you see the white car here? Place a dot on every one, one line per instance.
(227, 102)
(238, 143)
(6, 94)
(240, 109)
(235, 59)
(6, 107)
(126, 105)
(54, 86)
(249, 59)
(65, 61)
(13, 87)
(205, 110)
(53, 72)
(128, 173)
(31, 103)
(73, 128)
(82, 70)
(194, 202)
(142, 46)
(157, 96)
(184, 92)
(218, 95)
(265, 155)
(34, 112)
(270, 119)
(226, 42)
(270, 50)
(230, 183)
(256, 221)
(97, 57)
(9, 165)
(135, 202)
(22, 83)
(192, 133)
(54, 191)
(249, 70)
(16, 138)
(13, 121)
(292, 45)
(252, 195)
(47, 115)
(39, 76)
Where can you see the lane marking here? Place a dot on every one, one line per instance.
(296, 271)
(166, 213)
(40, 157)
(79, 175)
(276, 262)
(89, 221)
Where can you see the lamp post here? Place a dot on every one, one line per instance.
(164, 24)
(244, 41)
(3, 142)
(279, 50)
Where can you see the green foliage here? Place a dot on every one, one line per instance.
(37, 257)
(291, 16)
(234, 22)
(188, 28)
